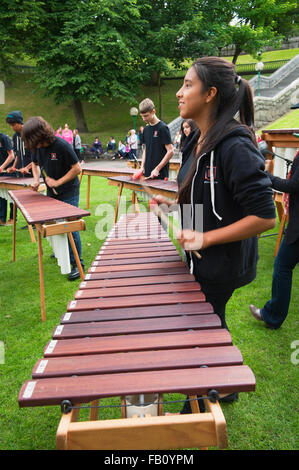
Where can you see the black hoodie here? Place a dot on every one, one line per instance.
(237, 187)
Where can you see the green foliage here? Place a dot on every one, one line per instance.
(94, 54)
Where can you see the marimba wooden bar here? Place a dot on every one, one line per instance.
(98, 170)
(51, 217)
(138, 330)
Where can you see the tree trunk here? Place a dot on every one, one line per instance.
(79, 115)
(238, 51)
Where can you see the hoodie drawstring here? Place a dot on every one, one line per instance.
(212, 185)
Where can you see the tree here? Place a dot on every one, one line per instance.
(19, 21)
(92, 50)
(256, 24)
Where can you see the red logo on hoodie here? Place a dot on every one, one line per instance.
(208, 173)
(53, 156)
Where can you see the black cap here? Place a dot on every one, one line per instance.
(15, 116)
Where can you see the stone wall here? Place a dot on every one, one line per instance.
(270, 109)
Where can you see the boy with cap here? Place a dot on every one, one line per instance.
(23, 161)
(6, 157)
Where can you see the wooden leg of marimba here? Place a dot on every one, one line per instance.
(220, 423)
(280, 233)
(88, 192)
(123, 407)
(78, 262)
(62, 431)
(14, 232)
(118, 201)
(135, 205)
(80, 177)
(41, 276)
(31, 233)
(93, 415)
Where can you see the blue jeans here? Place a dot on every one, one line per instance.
(275, 310)
(74, 201)
(132, 154)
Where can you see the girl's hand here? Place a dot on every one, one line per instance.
(190, 240)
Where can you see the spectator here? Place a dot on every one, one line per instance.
(121, 151)
(111, 145)
(132, 141)
(97, 148)
(67, 134)
(58, 131)
(77, 144)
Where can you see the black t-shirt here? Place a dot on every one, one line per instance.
(55, 161)
(155, 138)
(23, 154)
(5, 147)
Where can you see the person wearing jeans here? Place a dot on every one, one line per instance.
(275, 311)
(57, 161)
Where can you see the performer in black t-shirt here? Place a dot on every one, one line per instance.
(158, 148)
(56, 161)
(23, 161)
(6, 158)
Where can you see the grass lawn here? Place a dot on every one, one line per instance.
(265, 419)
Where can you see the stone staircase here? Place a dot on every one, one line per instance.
(278, 93)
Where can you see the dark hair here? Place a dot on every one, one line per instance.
(234, 95)
(192, 124)
(37, 131)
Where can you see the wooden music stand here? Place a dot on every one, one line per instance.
(30, 204)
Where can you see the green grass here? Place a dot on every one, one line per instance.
(262, 420)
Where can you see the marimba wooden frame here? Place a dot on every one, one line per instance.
(47, 230)
(195, 430)
(132, 186)
(106, 173)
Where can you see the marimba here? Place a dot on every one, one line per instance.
(9, 183)
(138, 327)
(55, 220)
(284, 143)
(174, 166)
(168, 189)
(97, 170)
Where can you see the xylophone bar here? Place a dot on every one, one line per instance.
(83, 389)
(132, 362)
(136, 312)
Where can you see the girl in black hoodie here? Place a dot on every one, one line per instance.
(225, 196)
